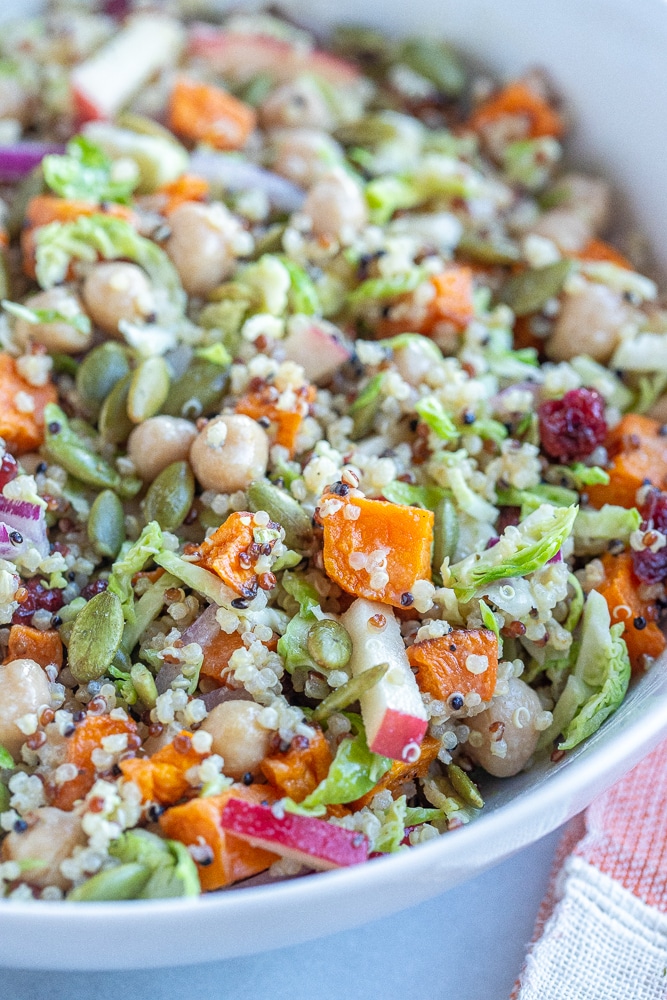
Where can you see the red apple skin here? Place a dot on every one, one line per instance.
(85, 109)
(317, 350)
(313, 842)
(399, 735)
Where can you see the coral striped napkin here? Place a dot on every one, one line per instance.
(601, 933)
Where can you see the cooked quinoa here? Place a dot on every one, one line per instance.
(332, 449)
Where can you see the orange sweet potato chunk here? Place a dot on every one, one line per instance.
(518, 99)
(202, 112)
(86, 738)
(198, 822)
(284, 425)
(401, 772)
(638, 454)
(620, 590)
(228, 553)
(162, 776)
(299, 771)
(441, 664)
(23, 431)
(45, 648)
(385, 540)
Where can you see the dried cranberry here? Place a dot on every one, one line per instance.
(572, 427)
(39, 598)
(651, 567)
(93, 588)
(9, 469)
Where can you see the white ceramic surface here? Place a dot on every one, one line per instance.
(608, 57)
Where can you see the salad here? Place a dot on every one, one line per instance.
(333, 446)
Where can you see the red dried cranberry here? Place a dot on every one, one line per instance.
(572, 427)
(93, 588)
(651, 567)
(9, 469)
(39, 598)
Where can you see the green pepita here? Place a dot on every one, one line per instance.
(198, 392)
(144, 684)
(99, 372)
(149, 389)
(464, 787)
(96, 635)
(121, 882)
(435, 61)
(170, 496)
(70, 451)
(528, 291)
(329, 644)
(114, 423)
(369, 132)
(445, 532)
(284, 510)
(5, 796)
(488, 250)
(106, 525)
(372, 50)
(350, 692)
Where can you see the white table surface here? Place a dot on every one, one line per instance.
(467, 944)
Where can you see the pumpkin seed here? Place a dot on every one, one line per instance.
(371, 49)
(445, 532)
(149, 389)
(120, 882)
(106, 525)
(4, 277)
(365, 407)
(284, 510)
(114, 422)
(370, 131)
(350, 692)
(143, 126)
(488, 250)
(435, 61)
(170, 496)
(70, 451)
(99, 372)
(31, 186)
(329, 644)
(144, 684)
(464, 787)
(5, 796)
(96, 635)
(198, 392)
(528, 291)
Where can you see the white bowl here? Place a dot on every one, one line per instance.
(607, 56)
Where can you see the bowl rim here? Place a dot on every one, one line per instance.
(590, 773)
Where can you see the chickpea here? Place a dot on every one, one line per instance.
(335, 205)
(298, 102)
(238, 736)
(303, 155)
(114, 291)
(590, 322)
(413, 363)
(57, 336)
(229, 453)
(159, 441)
(567, 228)
(24, 689)
(521, 741)
(203, 244)
(51, 839)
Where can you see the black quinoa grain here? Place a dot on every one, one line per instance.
(16, 538)
(154, 812)
(639, 622)
(240, 603)
(20, 826)
(456, 702)
(41, 468)
(247, 778)
(407, 599)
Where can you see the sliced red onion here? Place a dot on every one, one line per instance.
(239, 175)
(167, 673)
(222, 694)
(20, 158)
(557, 558)
(203, 629)
(28, 520)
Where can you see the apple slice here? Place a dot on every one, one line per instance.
(241, 57)
(393, 710)
(104, 83)
(313, 842)
(317, 346)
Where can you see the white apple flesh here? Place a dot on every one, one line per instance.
(103, 84)
(392, 710)
(312, 842)
(317, 346)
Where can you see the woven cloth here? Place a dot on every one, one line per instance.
(601, 933)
